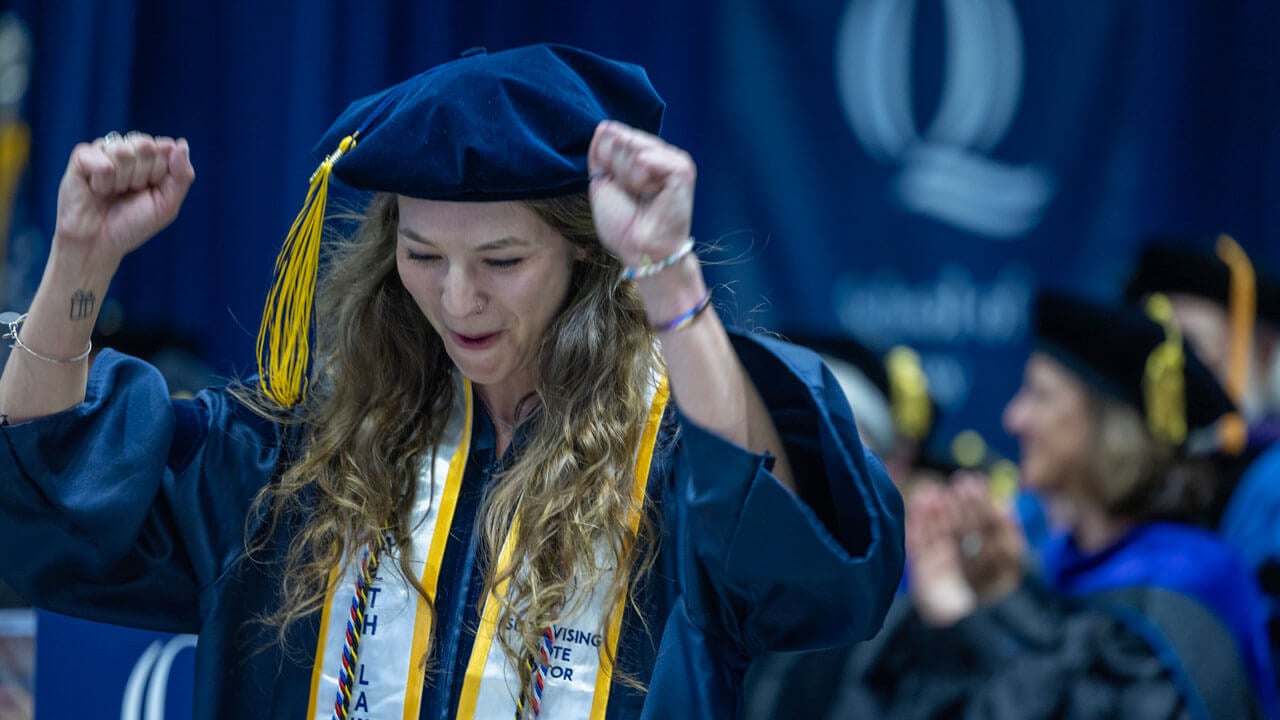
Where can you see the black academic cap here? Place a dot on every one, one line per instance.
(1204, 266)
(1125, 354)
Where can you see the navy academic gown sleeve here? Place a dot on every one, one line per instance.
(128, 505)
(762, 568)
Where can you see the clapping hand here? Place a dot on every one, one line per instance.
(992, 547)
(936, 579)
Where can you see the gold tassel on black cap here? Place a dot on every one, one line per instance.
(909, 391)
(283, 337)
(1233, 431)
(1163, 382)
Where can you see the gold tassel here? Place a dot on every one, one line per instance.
(1233, 431)
(15, 149)
(1233, 434)
(909, 391)
(1163, 383)
(283, 338)
(1243, 307)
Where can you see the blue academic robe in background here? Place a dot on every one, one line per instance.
(1164, 624)
(1186, 563)
(133, 508)
(1251, 523)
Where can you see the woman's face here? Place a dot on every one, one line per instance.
(1050, 418)
(490, 277)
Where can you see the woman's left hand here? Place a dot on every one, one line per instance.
(641, 193)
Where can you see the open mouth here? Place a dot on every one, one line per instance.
(474, 342)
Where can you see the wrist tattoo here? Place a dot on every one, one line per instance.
(83, 304)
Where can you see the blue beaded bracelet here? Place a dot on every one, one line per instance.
(686, 318)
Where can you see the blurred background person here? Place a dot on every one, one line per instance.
(889, 392)
(1229, 310)
(899, 420)
(1134, 613)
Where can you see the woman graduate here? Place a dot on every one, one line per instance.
(1134, 613)
(530, 475)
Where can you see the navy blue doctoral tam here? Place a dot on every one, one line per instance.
(508, 125)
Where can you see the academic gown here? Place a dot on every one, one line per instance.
(1166, 623)
(133, 508)
(1251, 523)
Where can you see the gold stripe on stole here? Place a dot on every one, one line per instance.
(489, 621)
(430, 577)
(431, 573)
(604, 681)
(317, 668)
(484, 637)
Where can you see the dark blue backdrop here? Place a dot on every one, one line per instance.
(907, 171)
(911, 171)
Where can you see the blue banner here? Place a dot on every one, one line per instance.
(113, 671)
(911, 172)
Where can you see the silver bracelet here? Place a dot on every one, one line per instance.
(14, 320)
(648, 268)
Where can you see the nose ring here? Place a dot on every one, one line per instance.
(479, 306)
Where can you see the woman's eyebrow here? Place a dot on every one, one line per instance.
(502, 243)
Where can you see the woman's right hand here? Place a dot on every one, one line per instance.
(936, 581)
(119, 191)
(116, 194)
(993, 549)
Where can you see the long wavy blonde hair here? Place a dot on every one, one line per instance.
(380, 397)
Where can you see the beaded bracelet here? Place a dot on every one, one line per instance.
(647, 269)
(13, 320)
(687, 318)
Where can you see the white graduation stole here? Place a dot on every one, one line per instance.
(389, 674)
(397, 622)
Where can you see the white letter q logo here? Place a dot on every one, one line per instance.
(152, 673)
(945, 174)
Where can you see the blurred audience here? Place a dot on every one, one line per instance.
(1133, 611)
(1229, 311)
(889, 394)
